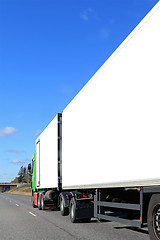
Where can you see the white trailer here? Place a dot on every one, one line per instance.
(114, 121)
(47, 155)
(103, 151)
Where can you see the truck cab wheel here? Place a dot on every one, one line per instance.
(42, 202)
(64, 210)
(39, 202)
(73, 211)
(153, 217)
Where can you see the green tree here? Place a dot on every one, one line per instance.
(21, 174)
(23, 177)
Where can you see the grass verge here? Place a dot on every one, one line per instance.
(26, 191)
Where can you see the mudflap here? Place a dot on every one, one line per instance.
(36, 198)
(84, 210)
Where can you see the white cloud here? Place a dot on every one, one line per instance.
(87, 14)
(17, 162)
(84, 16)
(37, 132)
(15, 151)
(6, 131)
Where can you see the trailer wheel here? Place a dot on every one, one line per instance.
(42, 202)
(73, 211)
(64, 210)
(153, 217)
(39, 201)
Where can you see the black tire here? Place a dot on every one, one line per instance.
(39, 201)
(42, 202)
(64, 210)
(153, 217)
(73, 211)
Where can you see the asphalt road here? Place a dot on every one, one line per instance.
(18, 221)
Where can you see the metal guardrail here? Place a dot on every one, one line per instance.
(15, 184)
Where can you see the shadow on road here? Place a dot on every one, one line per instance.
(133, 229)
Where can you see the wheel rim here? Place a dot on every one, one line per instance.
(61, 205)
(156, 221)
(39, 204)
(72, 211)
(42, 203)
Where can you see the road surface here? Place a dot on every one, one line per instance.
(18, 221)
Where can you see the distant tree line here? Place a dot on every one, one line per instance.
(22, 177)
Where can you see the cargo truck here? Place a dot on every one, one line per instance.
(100, 157)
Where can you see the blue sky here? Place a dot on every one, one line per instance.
(48, 51)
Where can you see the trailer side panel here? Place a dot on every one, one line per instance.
(111, 129)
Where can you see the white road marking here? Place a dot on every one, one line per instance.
(32, 214)
(17, 205)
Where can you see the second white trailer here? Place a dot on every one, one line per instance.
(47, 156)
